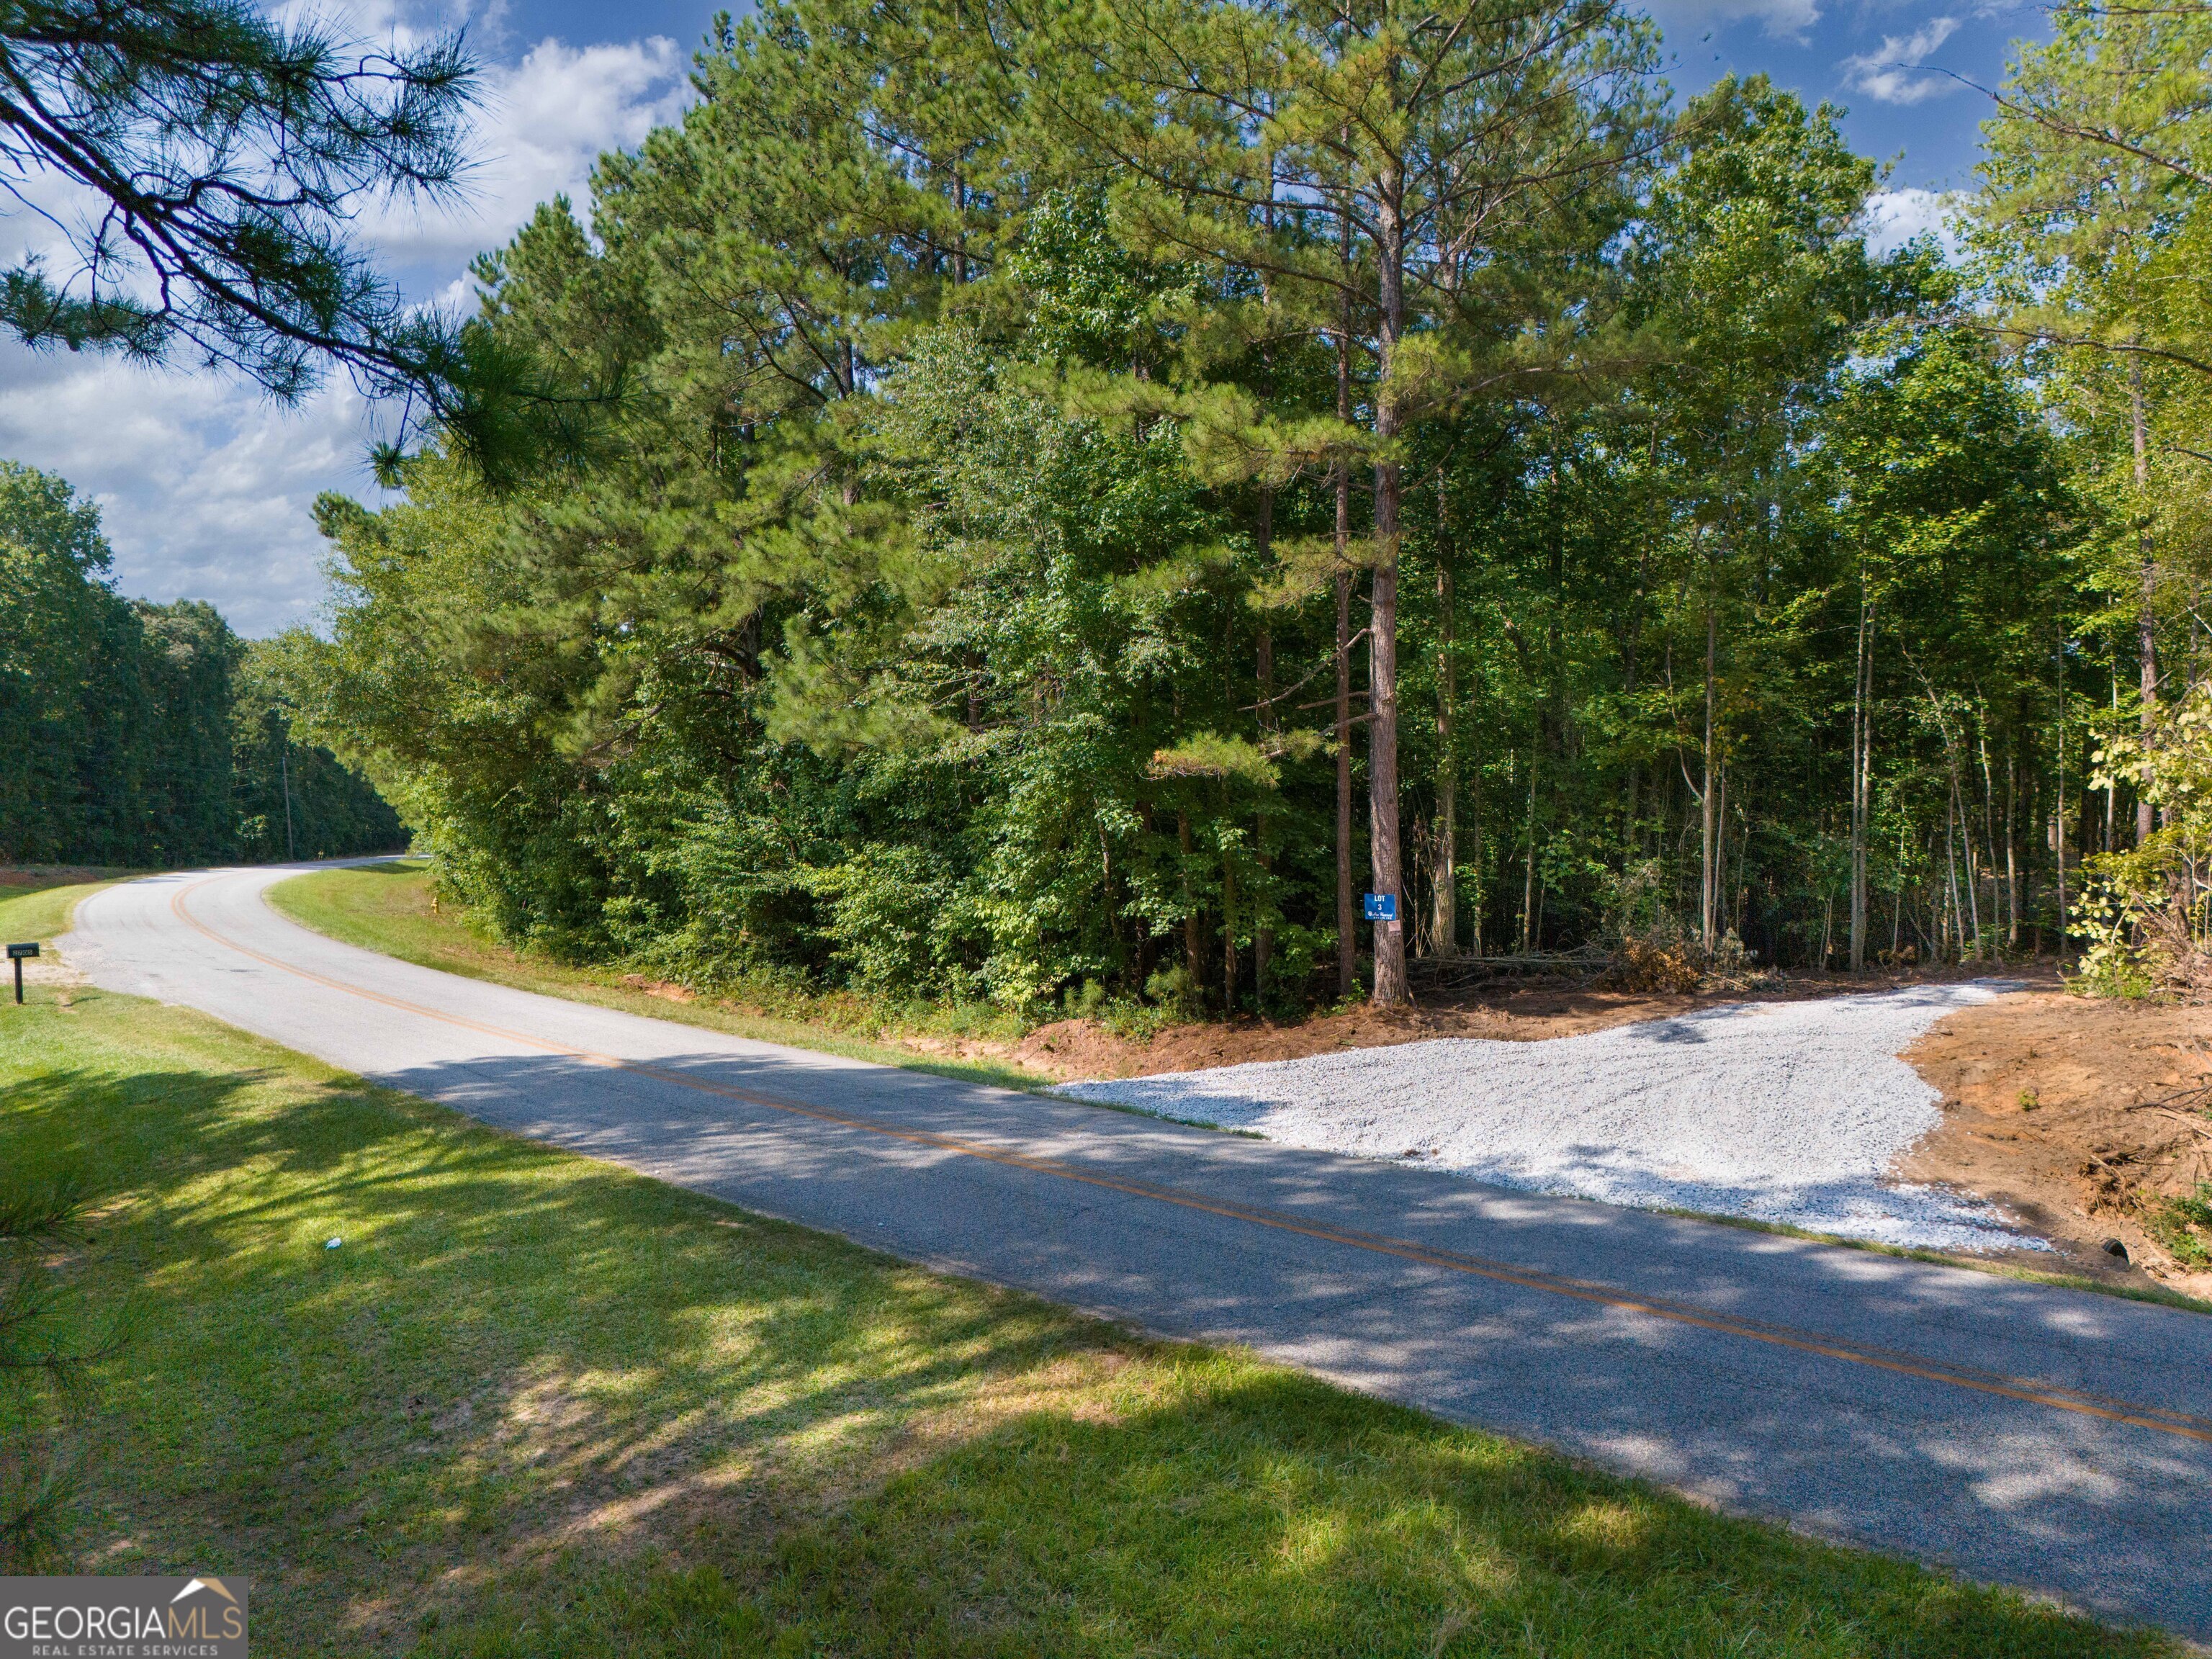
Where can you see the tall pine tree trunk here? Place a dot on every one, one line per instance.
(1263, 935)
(1444, 920)
(1708, 801)
(1347, 938)
(1390, 988)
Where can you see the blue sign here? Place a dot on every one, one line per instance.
(1381, 906)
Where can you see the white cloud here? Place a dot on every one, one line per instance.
(1779, 19)
(203, 485)
(1887, 75)
(1894, 217)
(543, 122)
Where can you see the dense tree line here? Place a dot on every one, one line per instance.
(137, 734)
(1067, 501)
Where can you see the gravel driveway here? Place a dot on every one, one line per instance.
(1779, 1111)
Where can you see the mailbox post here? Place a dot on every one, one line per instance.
(16, 954)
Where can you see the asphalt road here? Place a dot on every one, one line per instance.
(2053, 1440)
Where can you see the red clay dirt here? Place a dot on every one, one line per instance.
(2061, 1108)
(1071, 1048)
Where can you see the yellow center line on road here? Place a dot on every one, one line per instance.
(2164, 1421)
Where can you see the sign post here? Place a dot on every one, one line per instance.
(16, 953)
(1382, 908)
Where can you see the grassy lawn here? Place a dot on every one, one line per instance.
(389, 907)
(536, 1406)
(41, 911)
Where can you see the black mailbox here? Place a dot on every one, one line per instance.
(16, 954)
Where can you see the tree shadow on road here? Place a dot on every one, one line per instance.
(535, 1404)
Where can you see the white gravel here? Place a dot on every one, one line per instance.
(1781, 1111)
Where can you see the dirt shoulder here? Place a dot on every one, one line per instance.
(59, 875)
(2052, 1108)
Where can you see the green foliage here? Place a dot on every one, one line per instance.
(229, 151)
(2184, 1225)
(2147, 910)
(142, 734)
(943, 603)
(2126, 893)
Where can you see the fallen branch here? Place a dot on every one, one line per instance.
(2198, 1124)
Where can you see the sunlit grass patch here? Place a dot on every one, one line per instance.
(41, 910)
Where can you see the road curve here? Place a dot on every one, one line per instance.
(2055, 1440)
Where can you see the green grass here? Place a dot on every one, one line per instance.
(537, 1405)
(389, 907)
(42, 913)
(2180, 1224)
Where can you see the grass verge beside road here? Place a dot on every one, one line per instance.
(38, 911)
(536, 1405)
(388, 908)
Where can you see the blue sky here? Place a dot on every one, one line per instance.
(1879, 61)
(205, 488)
(1861, 53)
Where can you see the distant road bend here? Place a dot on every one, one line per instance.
(2052, 1439)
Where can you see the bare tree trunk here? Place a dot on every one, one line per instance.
(1990, 821)
(2110, 787)
(1444, 922)
(2146, 616)
(1144, 924)
(1721, 906)
(1347, 936)
(960, 242)
(2059, 831)
(1475, 804)
(1709, 867)
(2012, 847)
(1228, 936)
(1263, 935)
(1390, 988)
(1946, 935)
(1528, 880)
(1862, 747)
(1348, 939)
(1973, 918)
(1194, 935)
